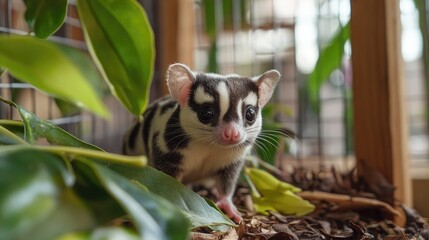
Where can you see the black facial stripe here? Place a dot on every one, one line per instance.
(209, 87)
(239, 88)
(175, 137)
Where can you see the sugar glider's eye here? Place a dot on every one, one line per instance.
(250, 114)
(206, 113)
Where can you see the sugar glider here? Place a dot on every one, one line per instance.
(204, 128)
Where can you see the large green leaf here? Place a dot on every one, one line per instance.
(35, 128)
(330, 59)
(285, 202)
(196, 208)
(44, 17)
(262, 180)
(51, 68)
(66, 108)
(105, 233)
(32, 128)
(35, 199)
(269, 193)
(267, 144)
(119, 36)
(154, 217)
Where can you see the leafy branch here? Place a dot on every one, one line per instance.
(71, 187)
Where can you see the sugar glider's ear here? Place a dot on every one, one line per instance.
(179, 82)
(266, 84)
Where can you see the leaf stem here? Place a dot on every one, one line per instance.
(139, 161)
(11, 135)
(11, 122)
(8, 102)
(252, 186)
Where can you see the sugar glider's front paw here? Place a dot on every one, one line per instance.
(229, 209)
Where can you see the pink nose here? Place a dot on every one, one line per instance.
(231, 134)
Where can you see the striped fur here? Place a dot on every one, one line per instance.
(180, 140)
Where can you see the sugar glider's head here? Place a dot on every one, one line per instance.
(221, 109)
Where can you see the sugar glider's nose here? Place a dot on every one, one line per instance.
(230, 134)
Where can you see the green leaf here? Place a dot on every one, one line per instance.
(66, 108)
(35, 128)
(44, 17)
(113, 233)
(198, 210)
(154, 217)
(267, 143)
(330, 59)
(284, 202)
(35, 198)
(265, 181)
(105, 233)
(120, 38)
(275, 195)
(51, 68)
(32, 128)
(273, 135)
(11, 132)
(227, 13)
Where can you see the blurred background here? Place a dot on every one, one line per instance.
(303, 39)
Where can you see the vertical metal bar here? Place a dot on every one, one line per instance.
(299, 103)
(198, 28)
(346, 108)
(252, 30)
(320, 105)
(219, 28)
(276, 27)
(8, 24)
(277, 64)
(8, 16)
(50, 108)
(236, 21)
(92, 127)
(346, 101)
(33, 99)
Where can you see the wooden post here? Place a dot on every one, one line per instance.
(379, 94)
(176, 34)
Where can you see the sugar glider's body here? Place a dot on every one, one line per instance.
(204, 129)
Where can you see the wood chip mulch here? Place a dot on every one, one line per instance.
(347, 207)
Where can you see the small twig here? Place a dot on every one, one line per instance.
(348, 202)
(269, 167)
